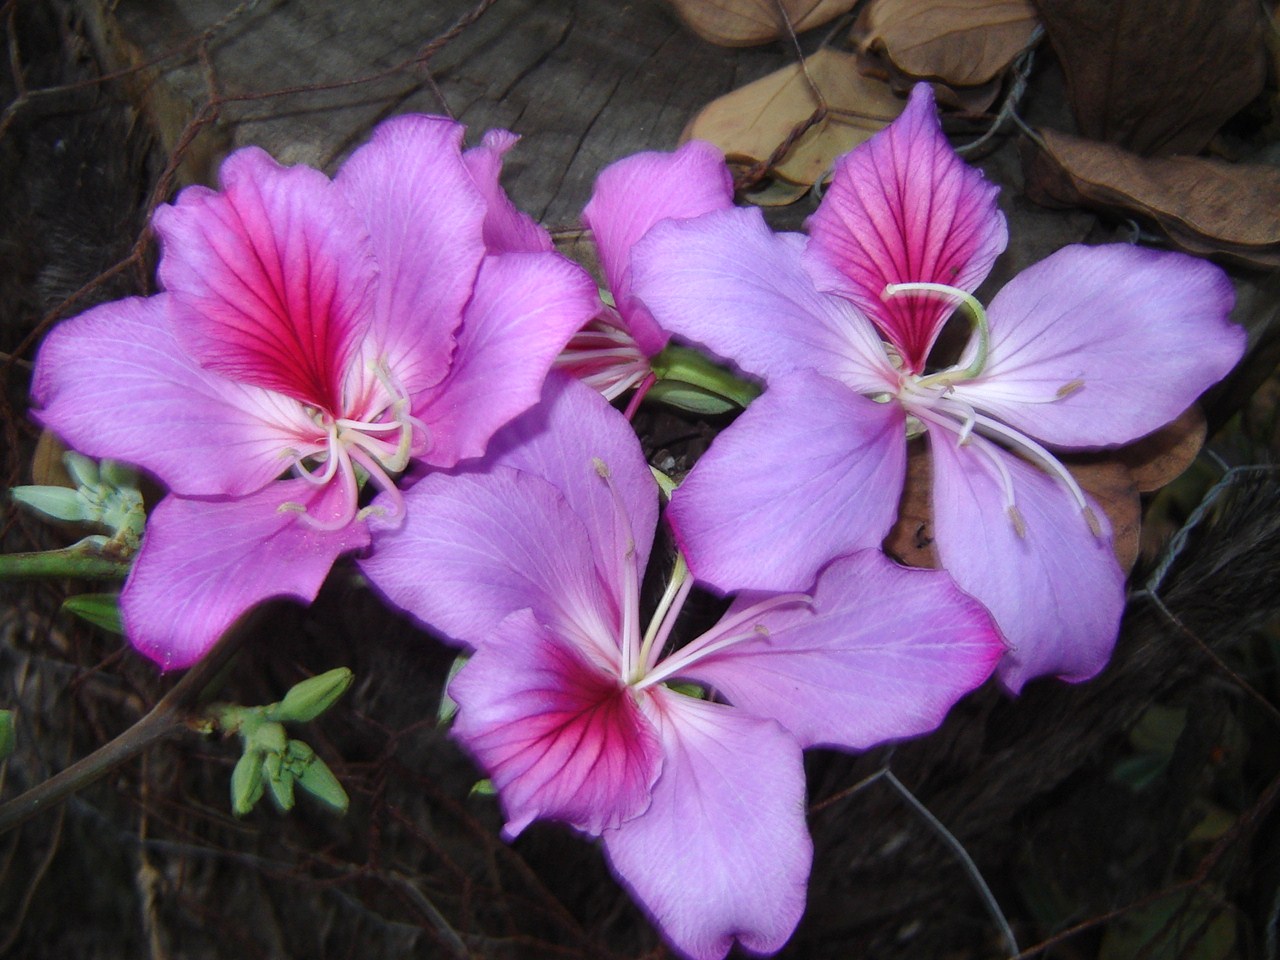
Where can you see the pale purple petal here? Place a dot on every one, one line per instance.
(559, 738)
(203, 563)
(882, 653)
(506, 228)
(113, 382)
(633, 194)
(276, 273)
(560, 439)
(1055, 589)
(525, 308)
(723, 852)
(727, 282)
(810, 471)
(903, 207)
(1102, 345)
(474, 548)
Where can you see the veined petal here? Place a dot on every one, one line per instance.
(903, 207)
(276, 271)
(203, 563)
(1054, 588)
(726, 281)
(883, 652)
(525, 308)
(113, 382)
(633, 194)
(559, 440)
(723, 852)
(474, 548)
(810, 471)
(561, 739)
(507, 229)
(425, 217)
(1102, 345)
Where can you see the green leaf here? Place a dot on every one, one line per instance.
(8, 737)
(100, 609)
(246, 782)
(307, 700)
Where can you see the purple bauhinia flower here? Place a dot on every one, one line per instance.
(337, 330)
(1092, 347)
(534, 560)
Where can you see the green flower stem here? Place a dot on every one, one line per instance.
(167, 720)
(78, 562)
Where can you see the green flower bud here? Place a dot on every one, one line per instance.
(61, 503)
(307, 700)
(246, 782)
(318, 780)
(279, 780)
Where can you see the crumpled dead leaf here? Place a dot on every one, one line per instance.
(756, 122)
(743, 23)
(1158, 77)
(1204, 206)
(962, 43)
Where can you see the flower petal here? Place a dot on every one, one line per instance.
(560, 439)
(883, 653)
(276, 274)
(113, 382)
(1054, 588)
(810, 471)
(525, 308)
(203, 563)
(1102, 345)
(633, 194)
(726, 281)
(425, 219)
(474, 548)
(903, 207)
(506, 228)
(560, 739)
(723, 852)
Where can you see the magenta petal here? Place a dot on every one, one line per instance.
(727, 282)
(1055, 589)
(633, 194)
(203, 563)
(275, 272)
(723, 852)
(883, 653)
(474, 548)
(425, 219)
(903, 207)
(560, 738)
(560, 439)
(525, 308)
(810, 471)
(1102, 345)
(506, 228)
(113, 382)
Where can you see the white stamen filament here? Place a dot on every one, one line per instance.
(664, 617)
(629, 642)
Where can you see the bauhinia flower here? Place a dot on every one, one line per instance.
(613, 353)
(1092, 347)
(313, 335)
(534, 560)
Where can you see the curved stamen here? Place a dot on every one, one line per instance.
(665, 616)
(383, 482)
(995, 464)
(350, 493)
(981, 329)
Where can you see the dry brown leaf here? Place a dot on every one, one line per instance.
(47, 468)
(911, 539)
(962, 43)
(1204, 206)
(743, 23)
(1160, 457)
(1158, 77)
(752, 122)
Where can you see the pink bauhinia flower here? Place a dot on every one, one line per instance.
(534, 560)
(335, 330)
(1092, 347)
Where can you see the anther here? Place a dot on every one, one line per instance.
(1069, 388)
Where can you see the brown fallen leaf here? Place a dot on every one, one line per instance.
(1158, 77)
(1162, 456)
(743, 23)
(1204, 206)
(962, 43)
(756, 122)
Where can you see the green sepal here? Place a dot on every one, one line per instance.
(307, 700)
(100, 609)
(449, 706)
(246, 782)
(8, 736)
